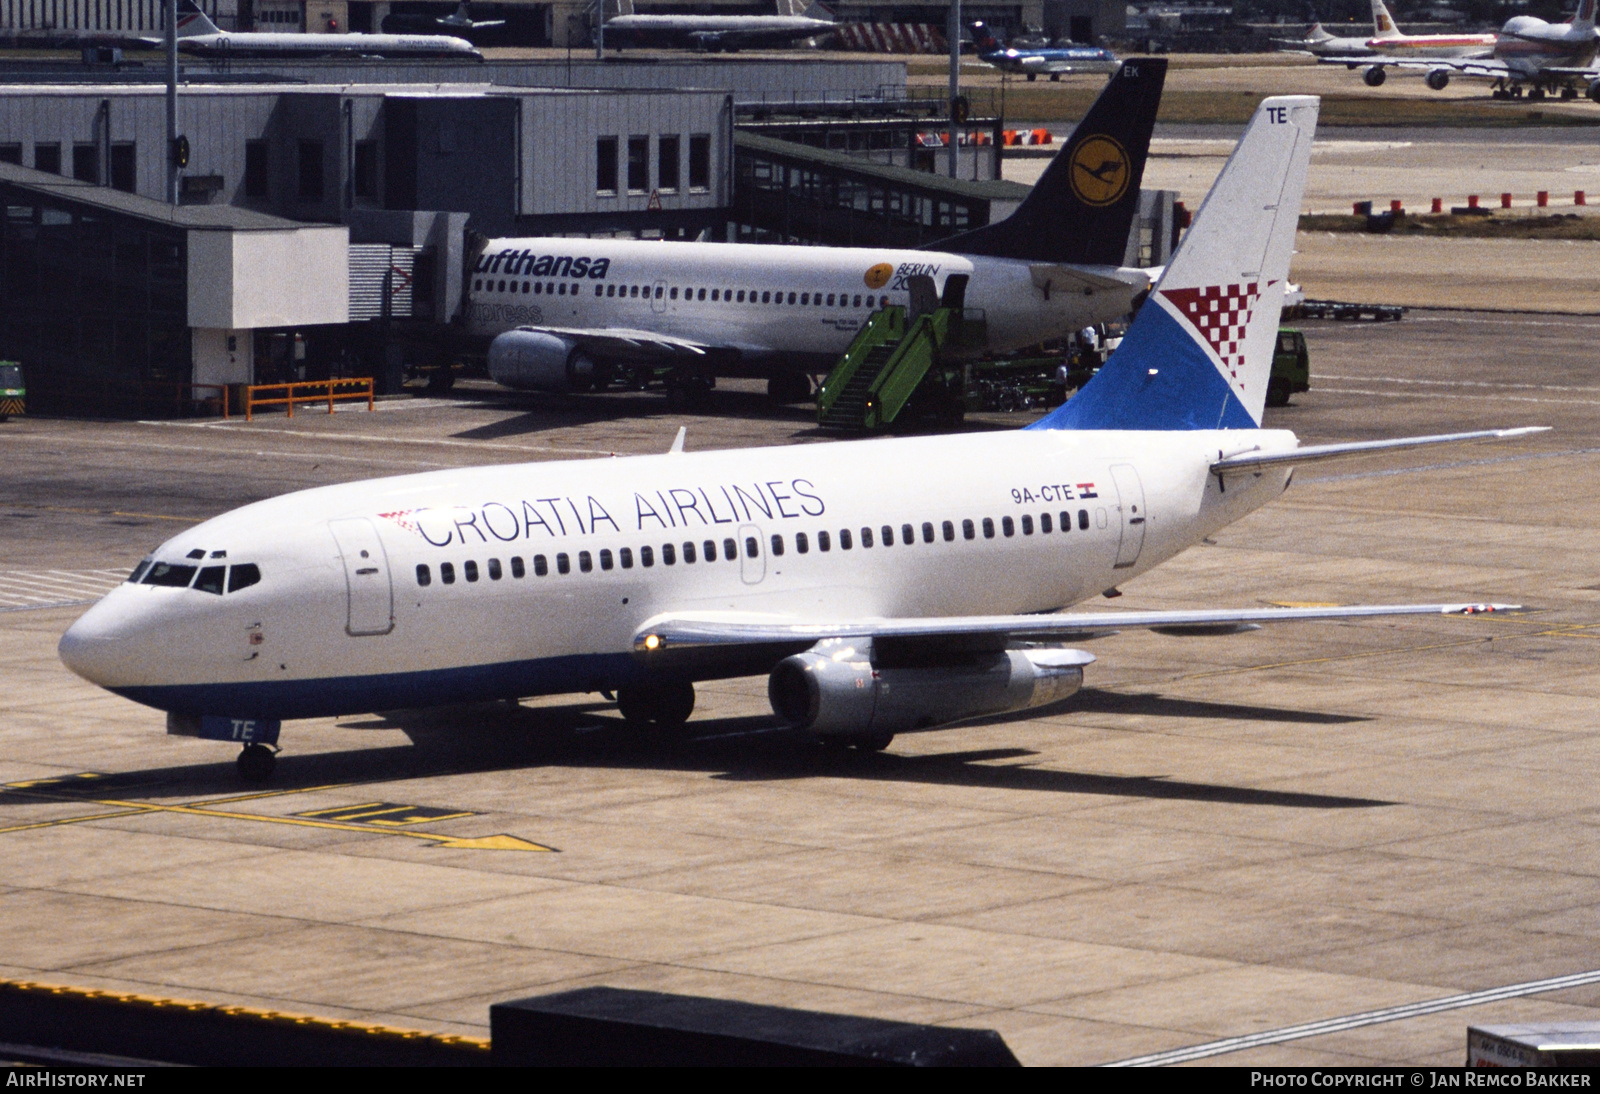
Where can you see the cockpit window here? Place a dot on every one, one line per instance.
(165, 573)
(210, 579)
(243, 576)
(139, 571)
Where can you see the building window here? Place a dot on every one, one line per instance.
(11, 153)
(638, 164)
(365, 170)
(667, 164)
(47, 157)
(311, 170)
(124, 160)
(605, 165)
(255, 169)
(700, 161)
(86, 162)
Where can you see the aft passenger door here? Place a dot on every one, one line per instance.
(1131, 505)
(366, 576)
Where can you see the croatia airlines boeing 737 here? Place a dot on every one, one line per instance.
(884, 586)
(197, 34)
(568, 314)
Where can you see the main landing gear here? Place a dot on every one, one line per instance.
(665, 705)
(255, 763)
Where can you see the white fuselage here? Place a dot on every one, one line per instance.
(765, 300)
(272, 44)
(519, 580)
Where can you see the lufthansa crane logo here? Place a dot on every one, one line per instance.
(1100, 171)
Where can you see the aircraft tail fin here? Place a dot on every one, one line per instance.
(984, 37)
(192, 21)
(1082, 207)
(1382, 22)
(1199, 354)
(624, 7)
(1584, 19)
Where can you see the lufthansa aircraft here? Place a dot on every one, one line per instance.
(197, 34)
(567, 314)
(885, 585)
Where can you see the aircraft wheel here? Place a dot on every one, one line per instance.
(1278, 393)
(665, 705)
(1375, 76)
(788, 387)
(1055, 77)
(634, 706)
(1032, 76)
(1569, 93)
(1437, 80)
(1536, 94)
(255, 763)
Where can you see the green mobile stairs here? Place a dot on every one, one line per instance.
(895, 363)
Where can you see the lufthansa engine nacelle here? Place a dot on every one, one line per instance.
(535, 361)
(834, 690)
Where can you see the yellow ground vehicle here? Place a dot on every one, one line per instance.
(13, 395)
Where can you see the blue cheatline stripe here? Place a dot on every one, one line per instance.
(335, 695)
(1185, 392)
(1356, 1021)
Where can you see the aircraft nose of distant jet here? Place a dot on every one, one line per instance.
(104, 646)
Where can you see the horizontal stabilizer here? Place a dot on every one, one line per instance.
(688, 631)
(1255, 461)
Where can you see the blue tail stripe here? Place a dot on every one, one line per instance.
(1185, 392)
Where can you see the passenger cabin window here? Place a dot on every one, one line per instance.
(625, 556)
(844, 539)
(802, 545)
(752, 546)
(866, 538)
(605, 559)
(777, 544)
(688, 553)
(447, 573)
(908, 534)
(1008, 526)
(470, 569)
(824, 542)
(730, 550)
(563, 563)
(1083, 520)
(967, 531)
(424, 575)
(988, 527)
(669, 555)
(517, 569)
(647, 557)
(888, 535)
(585, 562)
(494, 569)
(949, 532)
(709, 550)
(1044, 523)
(1027, 525)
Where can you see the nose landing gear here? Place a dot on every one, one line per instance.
(255, 763)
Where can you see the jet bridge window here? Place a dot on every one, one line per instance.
(164, 573)
(424, 575)
(210, 579)
(243, 576)
(447, 573)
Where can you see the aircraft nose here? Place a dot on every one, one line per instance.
(95, 647)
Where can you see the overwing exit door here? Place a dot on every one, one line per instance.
(366, 576)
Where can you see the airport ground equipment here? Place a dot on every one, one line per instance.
(13, 392)
(1541, 1044)
(1336, 309)
(625, 1028)
(1291, 367)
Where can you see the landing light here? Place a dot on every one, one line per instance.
(652, 641)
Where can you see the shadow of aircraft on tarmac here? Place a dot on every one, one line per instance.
(506, 737)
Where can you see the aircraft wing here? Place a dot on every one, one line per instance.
(1486, 68)
(701, 630)
(625, 344)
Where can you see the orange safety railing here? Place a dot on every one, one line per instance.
(308, 391)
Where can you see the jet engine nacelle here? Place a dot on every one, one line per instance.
(834, 690)
(1437, 79)
(535, 361)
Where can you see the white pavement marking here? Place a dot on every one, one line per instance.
(1356, 1021)
(28, 590)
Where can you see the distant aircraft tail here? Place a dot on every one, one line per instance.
(1082, 207)
(984, 37)
(1584, 19)
(1199, 355)
(1383, 23)
(624, 7)
(192, 21)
